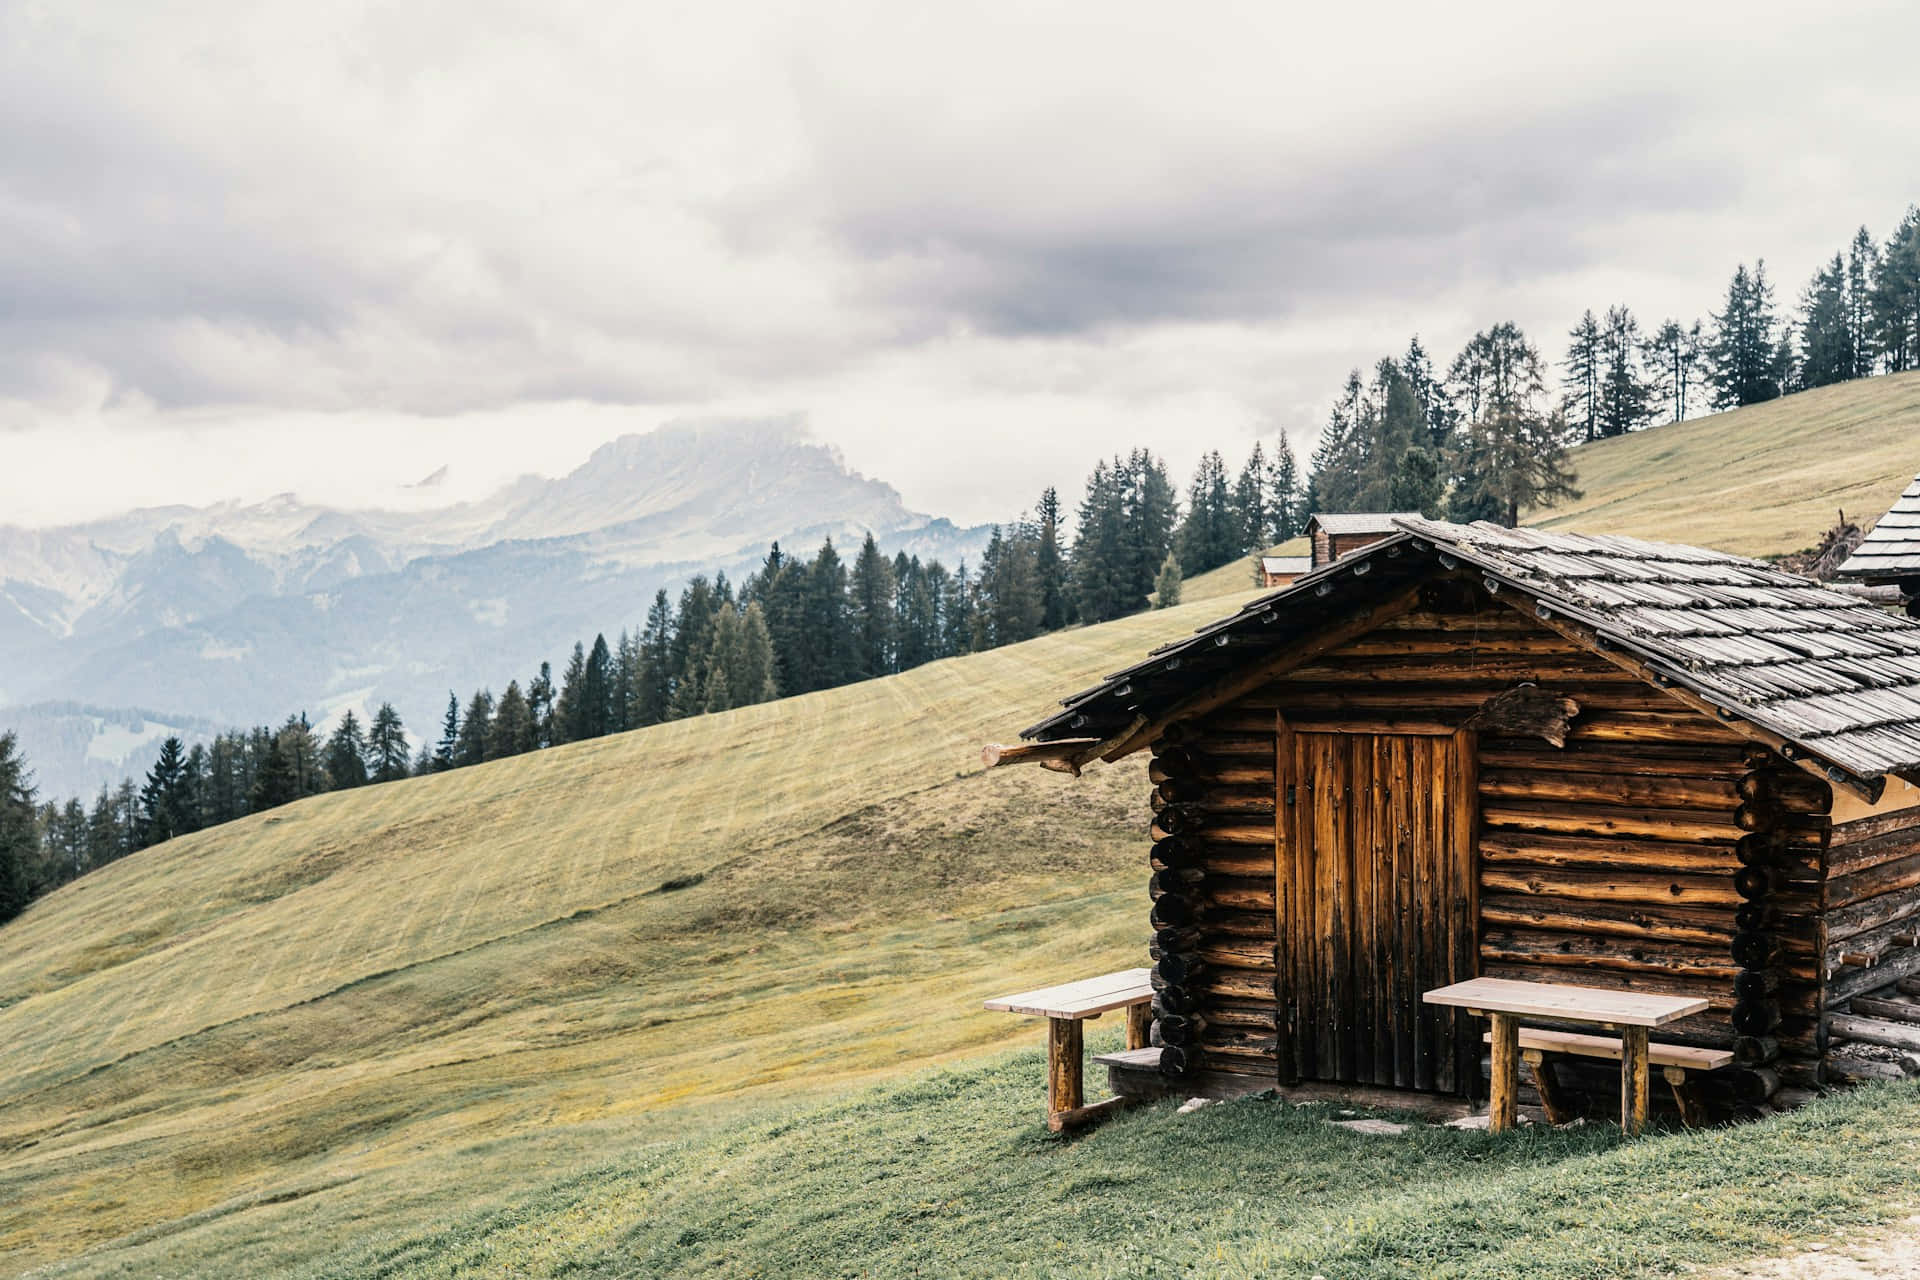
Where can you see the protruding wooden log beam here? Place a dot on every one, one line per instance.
(1061, 755)
(1525, 712)
(1880, 1031)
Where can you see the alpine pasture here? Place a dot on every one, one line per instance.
(549, 1014)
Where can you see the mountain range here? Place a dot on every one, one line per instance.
(240, 613)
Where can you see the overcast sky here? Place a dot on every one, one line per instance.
(249, 247)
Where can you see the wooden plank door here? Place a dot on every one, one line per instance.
(1377, 904)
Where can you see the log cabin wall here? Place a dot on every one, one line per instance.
(1618, 860)
(1869, 935)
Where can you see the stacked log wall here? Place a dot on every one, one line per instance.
(1214, 794)
(1618, 860)
(1869, 934)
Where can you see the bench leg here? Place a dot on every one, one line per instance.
(1064, 1090)
(1548, 1085)
(1139, 1025)
(1633, 1079)
(1692, 1114)
(1502, 1108)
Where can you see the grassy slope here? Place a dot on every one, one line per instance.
(1759, 481)
(414, 1002)
(348, 988)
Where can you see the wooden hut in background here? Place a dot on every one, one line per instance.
(1333, 535)
(1280, 571)
(1890, 554)
(1473, 751)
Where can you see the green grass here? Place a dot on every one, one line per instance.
(948, 1174)
(444, 1001)
(1759, 481)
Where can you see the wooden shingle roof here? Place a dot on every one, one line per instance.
(1892, 550)
(1825, 675)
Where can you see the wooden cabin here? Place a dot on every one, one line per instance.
(1890, 553)
(1280, 571)
(1335, 534)
(1470, 751)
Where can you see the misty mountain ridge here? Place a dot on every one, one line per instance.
(238, 613)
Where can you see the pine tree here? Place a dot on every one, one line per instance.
(870, 599)
(1513, 455)
(445, 753)
(1050, 564)
(623, 700)
(19, 831)
(692, 642)
(347, 754)
(540, 706)
(165, 810)
(304, 751)
(1624, 396)
(126, 817)
(103, 834)
(827, 624)
(386, 756)
(653, 672)
(1285, 501)
(722, 657)
(1096, 571)
(1746, 357)
(1896, 296)
(751, 674)
(1581, 401)
(73, 840)
(1252, 516)
(511, 732)
(956, 614)
(1166, 583)
(1431, 394)
(1339, 461)
(597, 690)
(227, 781)
(1863, 264)
(1671, 356)
(1826, 342)
(476, 731)
(279, 780)
(569, 709)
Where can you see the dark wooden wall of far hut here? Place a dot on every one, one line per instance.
(1657, 851)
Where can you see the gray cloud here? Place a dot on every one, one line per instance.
(935, 232)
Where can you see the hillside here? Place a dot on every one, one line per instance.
(498, 960)
(479, 999)
(1759, 481)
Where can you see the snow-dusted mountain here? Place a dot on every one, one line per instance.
(241, 613)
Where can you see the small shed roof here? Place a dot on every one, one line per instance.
(1833, 679)
(1339, 523)
(1892, 550)
(1286, 564)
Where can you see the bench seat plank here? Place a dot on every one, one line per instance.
(1586, 1046)
(1140, 1059)
(1087, 998)
(1561, 1000)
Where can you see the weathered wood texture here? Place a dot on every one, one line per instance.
(1870, 906)
(1656, 851)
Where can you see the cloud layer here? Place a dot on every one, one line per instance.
(974, 245)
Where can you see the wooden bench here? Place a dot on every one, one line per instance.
(1504, 1001)
(1538, 1046)
(1065, 1007)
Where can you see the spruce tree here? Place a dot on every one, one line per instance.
(1340, 459)
(692, 642)
(445, 752)
(1746, 357)
(1209, 536)
(1285, 500)
(1431, 394)
(227, 783)
(1050, 564)
(19, 830)
(1671, 356)
(1826, 341)
(623, 697)
(103, 835)
(1166, 583)
(1096, 567)
(279, 780)
(476, 731)
(163, 800)
(956, 614)
(870, 602)
(1896, 296)
(1624, 396)
(570, 708)
(1581, 399)
(347, 754)
(1252, 516)
(723, 658)
(597, 690)
(386, 758)
(1863, 263)
(828, 624)
(540, 705)
(653, 672)
(1147, 523)
(511, 732)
